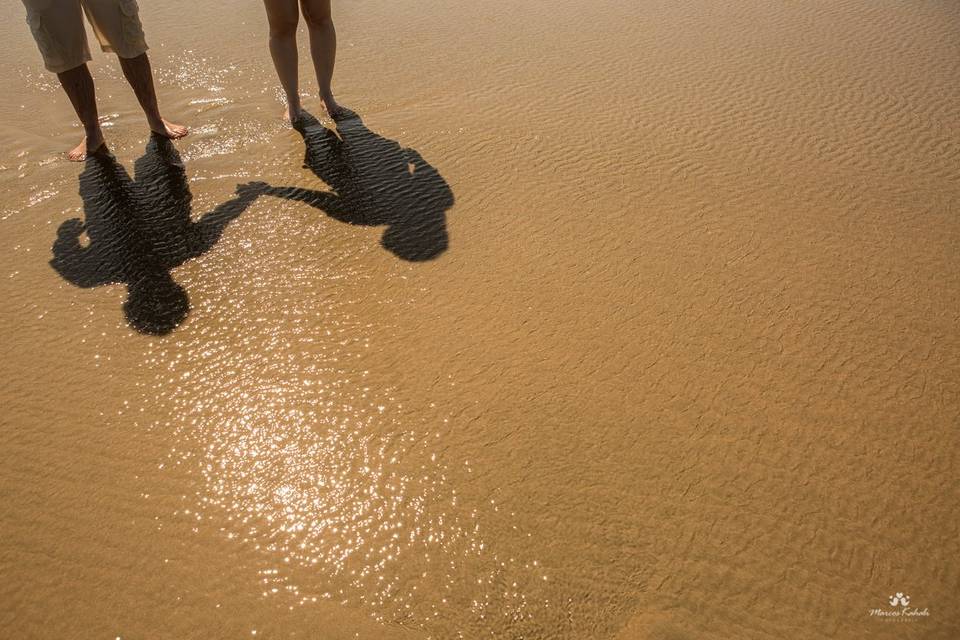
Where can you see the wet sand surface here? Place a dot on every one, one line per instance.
(616, 320)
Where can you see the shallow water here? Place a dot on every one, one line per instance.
(619, 320)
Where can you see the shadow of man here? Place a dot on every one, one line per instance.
(374, 182)
(137, 231)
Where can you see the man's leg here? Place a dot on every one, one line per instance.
(138, 73)
(283, 16)
(323, 48)
(116, 24)
(78, 84)
(57, 26)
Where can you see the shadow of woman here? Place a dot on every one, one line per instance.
(136, 231)
(374, 182)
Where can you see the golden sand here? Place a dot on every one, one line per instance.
(671, 353)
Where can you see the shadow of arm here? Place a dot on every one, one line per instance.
(327, 201)
(213, 224)
(316, 199)
(429, 184)
(80, 266)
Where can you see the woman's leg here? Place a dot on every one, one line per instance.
(283, 16)
(323, 48)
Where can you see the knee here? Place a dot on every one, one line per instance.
(282, 29)
(318, 20)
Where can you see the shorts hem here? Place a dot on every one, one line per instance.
(67, 66)
(126, 53)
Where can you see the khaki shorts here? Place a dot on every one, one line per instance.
(57, 26)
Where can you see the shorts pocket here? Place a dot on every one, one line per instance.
(133, 37)
(52, 55)
(129, 8)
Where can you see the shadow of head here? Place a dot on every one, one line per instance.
(417, 241)
(377, 182)
(156, 304)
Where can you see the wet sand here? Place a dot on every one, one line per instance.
(620, 320)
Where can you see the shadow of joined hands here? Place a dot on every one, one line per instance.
(374, 182)
(137, 231)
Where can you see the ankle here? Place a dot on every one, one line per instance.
(330, 104)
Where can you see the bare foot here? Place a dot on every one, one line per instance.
(170, 130)
(87, 146)
(334, 110)
(292, 115)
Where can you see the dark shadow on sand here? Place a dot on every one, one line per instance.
(374, 181)
(137, 231)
